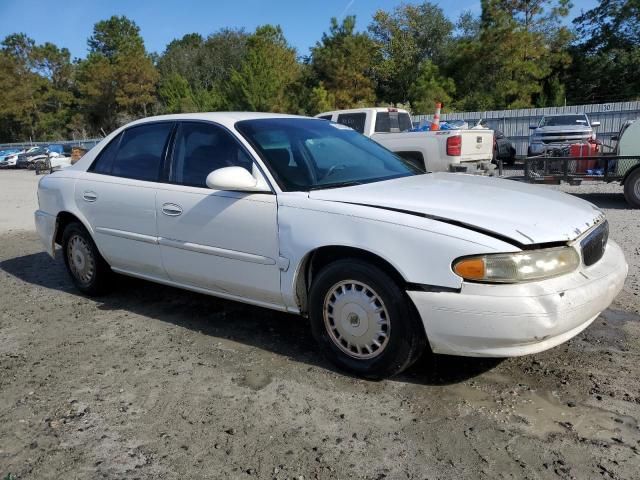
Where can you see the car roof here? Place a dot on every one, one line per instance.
(227, 119)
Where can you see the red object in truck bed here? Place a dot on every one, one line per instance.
(578, 150)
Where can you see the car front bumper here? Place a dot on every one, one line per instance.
(484, 320)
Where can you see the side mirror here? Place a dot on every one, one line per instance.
(595, 124)
(234, 178)
(533, 127)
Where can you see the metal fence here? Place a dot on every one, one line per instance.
(515, 123)
(87, 143)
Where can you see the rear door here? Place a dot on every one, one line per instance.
(221, 241)
(117, 196)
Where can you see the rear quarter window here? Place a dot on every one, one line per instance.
(104, 161)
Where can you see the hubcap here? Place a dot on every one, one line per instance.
(80, 258)
(356, 319)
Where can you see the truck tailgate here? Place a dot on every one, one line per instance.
(476, 145)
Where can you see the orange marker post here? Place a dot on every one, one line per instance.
(435, 124)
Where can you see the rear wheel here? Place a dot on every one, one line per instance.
(632, 189)
(363, 321)
(89, 271)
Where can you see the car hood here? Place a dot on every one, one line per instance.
(564, 128)
(525, 214)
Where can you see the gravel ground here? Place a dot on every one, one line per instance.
(152, 382)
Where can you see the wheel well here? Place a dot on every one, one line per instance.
(628, 173)
(317, 259)
(64, 219)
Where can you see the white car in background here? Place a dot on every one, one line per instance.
(310, 217)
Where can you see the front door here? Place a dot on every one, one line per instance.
(221, 241)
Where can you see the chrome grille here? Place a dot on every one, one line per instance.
(593, 245)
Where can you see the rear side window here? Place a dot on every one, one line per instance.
(141, 151)
(325, 117)
(104, 162)
(353, 120)
(201, 148)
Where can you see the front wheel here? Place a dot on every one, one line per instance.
(89, 271)
(632, 189)
(363, 321)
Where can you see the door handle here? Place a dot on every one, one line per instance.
(90, 196)
(171, 209)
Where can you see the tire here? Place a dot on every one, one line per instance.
(360, 281)
(89, 272)
(632, 188)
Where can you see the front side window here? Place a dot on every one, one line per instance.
(141, 150)
(307, 154)
(200, 148)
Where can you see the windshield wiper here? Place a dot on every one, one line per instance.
(335, 185)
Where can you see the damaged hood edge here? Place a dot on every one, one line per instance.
(517, 213)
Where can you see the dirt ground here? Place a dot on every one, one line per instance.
(152, 382)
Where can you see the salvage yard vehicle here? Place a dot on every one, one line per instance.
(621, 165)
(307, 216)
(461, 150)
(9, 157)
(25, 159)
(558, 131)
(50, 162)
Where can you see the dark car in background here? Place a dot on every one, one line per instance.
(26, 160)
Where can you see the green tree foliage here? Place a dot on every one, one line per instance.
(606, 56)
(267, 73)
(36, 81)
(406, 37)
(343, 61)
(114, 36)
(205, 63)
(430, 87)
(516, 53)
(117, 81)
(519, 47)
(320, 100)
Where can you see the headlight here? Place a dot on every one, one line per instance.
(518, 267)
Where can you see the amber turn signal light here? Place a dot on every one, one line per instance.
(470, 268)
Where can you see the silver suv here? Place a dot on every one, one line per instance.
(557, 131)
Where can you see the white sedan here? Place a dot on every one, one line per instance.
(307, 216)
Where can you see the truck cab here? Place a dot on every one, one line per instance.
(459, 150)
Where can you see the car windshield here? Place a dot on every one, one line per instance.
(307, 154)
(563, 120)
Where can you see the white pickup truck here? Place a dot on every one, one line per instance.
(469, 151)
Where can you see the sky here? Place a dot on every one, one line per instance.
(68, 23)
